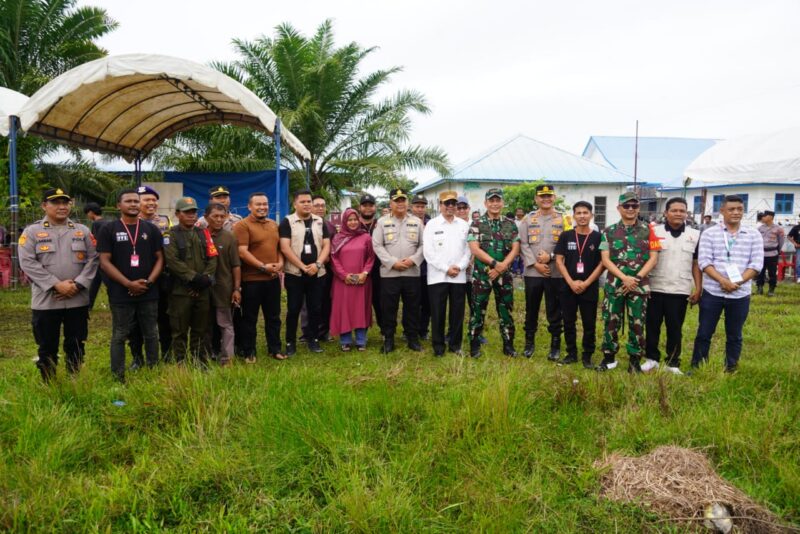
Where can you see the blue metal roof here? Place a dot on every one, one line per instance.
(522, 159)
(662, 160)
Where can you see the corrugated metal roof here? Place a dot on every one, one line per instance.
(522, 159)
(662, 160)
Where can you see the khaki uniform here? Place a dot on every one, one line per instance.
(49, 254)
(395, 239)
(227, 225)
(540, 232)
(162, 222)
(188, 308)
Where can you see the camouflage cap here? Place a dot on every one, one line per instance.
(185, 204)
(494, 192)
(627, 197)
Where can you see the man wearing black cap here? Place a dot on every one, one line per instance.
(419, 207)
(366, 212)
(397, 241)
(59, 257)
(773, 237)
(219, 194)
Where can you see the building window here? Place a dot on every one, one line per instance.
(718, 203)
(600, 212)
(784, 203)
(745, 199)
(698, 205)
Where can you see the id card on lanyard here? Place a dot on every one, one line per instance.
(731, 269)
(580, 267)
(132, 239)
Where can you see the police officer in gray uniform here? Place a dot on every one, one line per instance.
(397, 241)
(59, 257)
(219, 194)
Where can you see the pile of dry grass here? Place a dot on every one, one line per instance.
(679, 484)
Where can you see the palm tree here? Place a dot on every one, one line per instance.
(317, 91)
(40, 39)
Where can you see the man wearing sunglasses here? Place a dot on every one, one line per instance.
(629, 251)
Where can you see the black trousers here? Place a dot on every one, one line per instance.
(669, 309)
(571, 304)
(376, 293)
(535, 288)
(425, 314)
(771, 268)
(392, 289)
(299, 290)
(265, 296)
(94, 289)
(440, 295)
(136, 341)
(47, 333)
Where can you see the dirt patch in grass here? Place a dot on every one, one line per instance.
(681, 485)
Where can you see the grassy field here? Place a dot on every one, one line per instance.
(364, 442)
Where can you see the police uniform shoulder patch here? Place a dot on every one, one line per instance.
(22, 240)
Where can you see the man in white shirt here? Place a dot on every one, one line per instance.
(447, 254)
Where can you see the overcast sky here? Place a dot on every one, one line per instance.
(556, 71)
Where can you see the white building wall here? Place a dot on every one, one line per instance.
(571, 193)
(760, 198)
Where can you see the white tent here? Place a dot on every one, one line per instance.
(769, 158)
(128, 105)
(10, 104)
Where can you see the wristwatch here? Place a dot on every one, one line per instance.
(263, 268)
(318, 264)
(494, 264)
(148, 283)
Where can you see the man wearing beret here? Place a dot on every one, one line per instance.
(773, 237)
(629, 250)
(59, 257)
(540, 231)
(219, 194)
(192, 261)
(148, 211)
(494, 241)
(397, 241)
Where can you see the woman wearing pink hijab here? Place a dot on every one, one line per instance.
(352, 258)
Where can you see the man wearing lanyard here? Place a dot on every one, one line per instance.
(730, 256)
(132, 260)
(578, 260)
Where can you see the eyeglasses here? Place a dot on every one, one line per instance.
(630, 205)
(449, 203)
(463, 207)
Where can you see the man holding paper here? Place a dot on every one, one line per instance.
(730, 256)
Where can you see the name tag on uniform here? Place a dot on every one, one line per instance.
(134, 260)
(733, 273)
(306, 249)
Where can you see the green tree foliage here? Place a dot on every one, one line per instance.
(524, 196)
(355, 139)
(39, 40)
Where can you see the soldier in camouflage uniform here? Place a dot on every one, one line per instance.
(494, 241)
(629, 250)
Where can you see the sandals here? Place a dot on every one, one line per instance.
(345, 348)
(361, 348)
(279, 356)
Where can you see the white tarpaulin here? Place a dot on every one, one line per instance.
(10, 104)
(764, 158)
(128, 105)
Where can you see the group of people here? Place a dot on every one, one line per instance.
(194, 289)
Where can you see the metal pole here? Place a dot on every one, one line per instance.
(137, 169)
(277, 135)
(14, 193)
(636, 156)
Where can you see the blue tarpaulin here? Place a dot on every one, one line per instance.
(240, 184)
